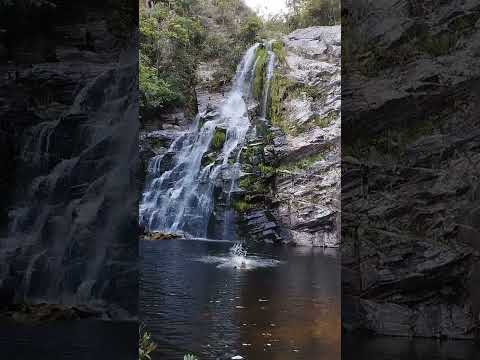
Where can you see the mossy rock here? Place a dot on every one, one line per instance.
(316, 121)
(279, 91)
(241, 206)
(260, 72)
(307, 162)
(314, 92)
(209, 158)
(254, 184)
(218, 140)
(216, 146)
(157, 144)
(279, 50)
(439, 45)
(250, 153)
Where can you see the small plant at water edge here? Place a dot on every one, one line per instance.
(190, 357)
(146, 344)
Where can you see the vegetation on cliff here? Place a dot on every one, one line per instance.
(303, 14)
(175, 36)
(260, 67)
(306, 13)
(169, 37)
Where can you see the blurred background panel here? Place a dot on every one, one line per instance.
(410, 169)
(69, 156)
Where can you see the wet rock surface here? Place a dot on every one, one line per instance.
(410, 246)
(41, 313)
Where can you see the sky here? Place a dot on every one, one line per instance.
(267, 8)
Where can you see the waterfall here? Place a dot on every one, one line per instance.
(184, 196)
(272, 59)
(72, 217)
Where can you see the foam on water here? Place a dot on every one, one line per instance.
(238, 262)
(238, 259)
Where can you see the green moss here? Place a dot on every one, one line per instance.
(393, 142)
(253, 184)
(246, 182)
(439, 45)
(218, 140)
(216, 145)
(266, 170)
(315, 122)
(260, 66)
(314, 92)
(305, 163)
(278, 93)
(249, 152)
(241, 206)
(279, 49)
(323, 122)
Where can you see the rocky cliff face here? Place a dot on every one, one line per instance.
(410, 194)
(307, 186)
(300, 147)
(72, 119)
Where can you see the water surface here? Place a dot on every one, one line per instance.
(69, 340)
(358, 347)
(284, 305)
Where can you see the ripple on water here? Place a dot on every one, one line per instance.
(239, 262)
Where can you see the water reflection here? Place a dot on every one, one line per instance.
(395, 348)
(284, 311)
(69, 340)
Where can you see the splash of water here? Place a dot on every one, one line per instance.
(237, 259)
(238, 250)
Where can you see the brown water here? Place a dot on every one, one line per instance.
(284, 305)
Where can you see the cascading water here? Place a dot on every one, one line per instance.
(272, 60)
(67, 227)
(180, 193)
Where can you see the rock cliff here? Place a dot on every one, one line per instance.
(307, 187)
(410, 194)
(301, 144)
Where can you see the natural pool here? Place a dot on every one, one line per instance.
(283, 304)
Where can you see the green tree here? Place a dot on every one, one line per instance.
(305, 13)
(250, 29)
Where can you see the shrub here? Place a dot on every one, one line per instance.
(155, 92)
(279, 49)
(250, 29)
